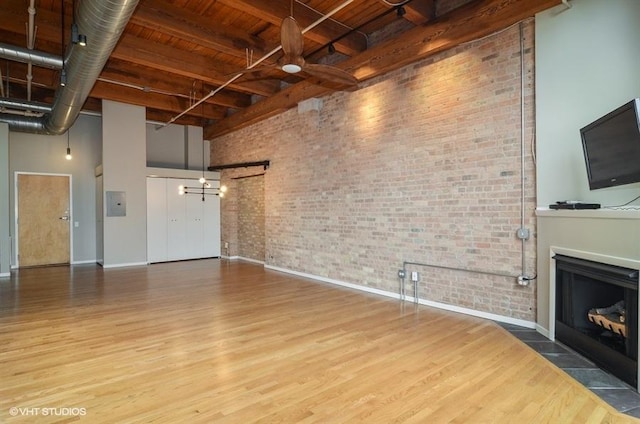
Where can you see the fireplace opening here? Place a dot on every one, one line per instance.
(597, 314)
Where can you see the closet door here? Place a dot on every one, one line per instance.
(194, 208)
(211, 227)
(156, 219)
(176, 221)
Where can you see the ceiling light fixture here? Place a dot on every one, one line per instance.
(68, 155)
(291, 68)
(205, 189)
(76, 37)
(63, 72)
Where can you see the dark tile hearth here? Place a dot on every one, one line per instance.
(608, 387)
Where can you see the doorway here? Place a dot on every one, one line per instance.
(43, 219)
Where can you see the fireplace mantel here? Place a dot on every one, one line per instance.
(589, 213)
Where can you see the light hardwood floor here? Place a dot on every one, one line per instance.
(228, 342)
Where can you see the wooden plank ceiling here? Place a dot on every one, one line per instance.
(174, 53)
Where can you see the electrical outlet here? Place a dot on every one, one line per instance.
(414, 276)
(226, 244)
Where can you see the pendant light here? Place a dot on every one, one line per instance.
(205, 189)
(68, 155)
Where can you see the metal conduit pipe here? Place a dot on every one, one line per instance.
(523, 232)
(102, 21)
(31, 43)
(402, 274)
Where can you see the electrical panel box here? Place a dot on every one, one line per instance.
(116, 203)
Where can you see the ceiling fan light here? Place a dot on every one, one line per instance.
(291, 68)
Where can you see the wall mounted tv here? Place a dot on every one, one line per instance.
(611, 147)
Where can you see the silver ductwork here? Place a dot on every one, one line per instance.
(102, 21)
(24, 55)
(24, 105)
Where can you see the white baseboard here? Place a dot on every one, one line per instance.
(242, 258)
(125, 265)
(544, 331)
(439, 305)
(91, 261)
(5, 275)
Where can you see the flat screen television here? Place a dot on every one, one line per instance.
(611, 147)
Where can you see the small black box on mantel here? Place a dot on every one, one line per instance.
(574, 205)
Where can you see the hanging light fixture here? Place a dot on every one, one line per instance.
(76, 37)
(63, 72)
(205, 189)
(68, 155)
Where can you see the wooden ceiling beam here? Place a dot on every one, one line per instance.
(274, 11)
(466, 23)
(163, 16)
(149, 80)
(14, 18)
(187, 64)
(419, 12)
(154, 101)
(160, 116)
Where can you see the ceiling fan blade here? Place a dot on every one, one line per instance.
(330, 73)
(291, 37)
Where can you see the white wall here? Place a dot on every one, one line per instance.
(176, 146)
(587, 64)
(45, 153)
(5, 223)
(194, 142)
(28, 152)
(124, 169)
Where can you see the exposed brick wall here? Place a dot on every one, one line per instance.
(229, 216)
(250, 214)
(422, 164)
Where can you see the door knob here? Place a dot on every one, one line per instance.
(64, 218)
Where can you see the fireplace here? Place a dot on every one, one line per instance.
(596, 313)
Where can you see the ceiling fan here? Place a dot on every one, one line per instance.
(292, 62)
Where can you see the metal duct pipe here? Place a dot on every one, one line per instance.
(22, 105)
(24, 55)
(102, 21)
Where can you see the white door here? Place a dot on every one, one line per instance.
(157, 220)
(176, 221)
(211, 227)
(195, 237)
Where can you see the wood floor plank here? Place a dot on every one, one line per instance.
(229, 342)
